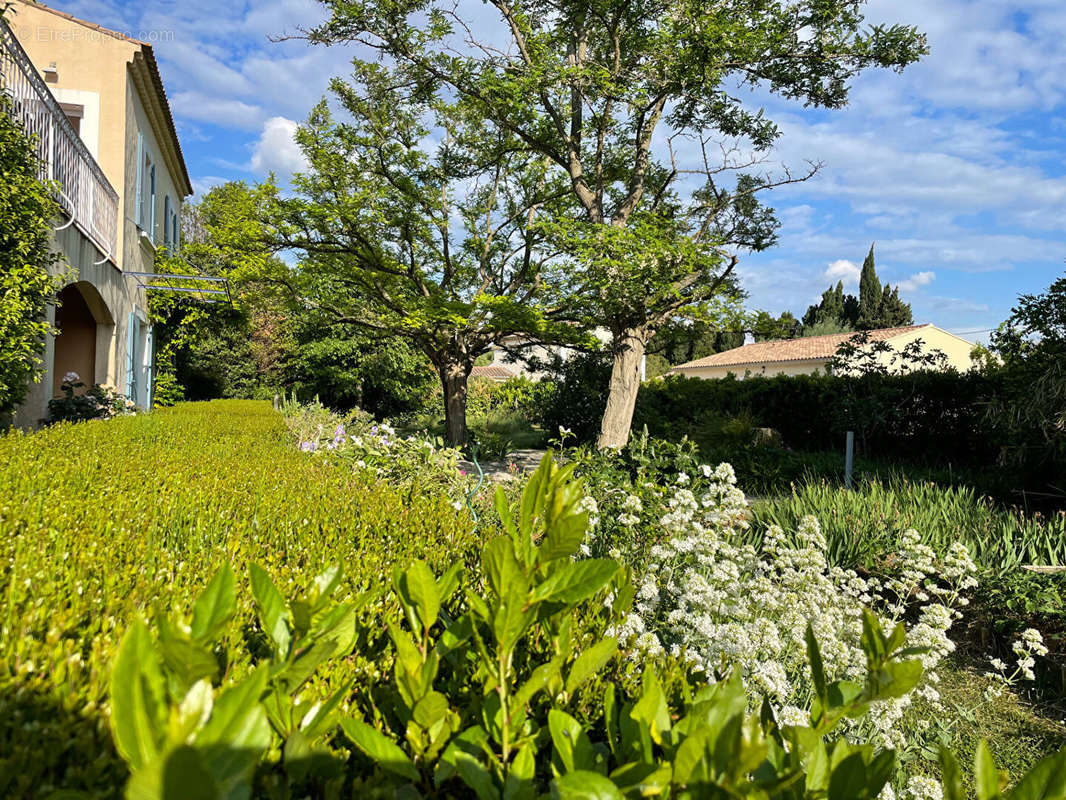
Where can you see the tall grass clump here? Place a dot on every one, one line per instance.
(862, 525)
(106, 521)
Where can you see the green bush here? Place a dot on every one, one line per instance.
(98, 402)
(498, 691)
(519, 395)
(923, 417)
(580, 398)
(26, 287)
(106, 521)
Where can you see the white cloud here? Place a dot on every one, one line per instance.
(228, 113)
(277, 150)
(843, 270)
(916, 281)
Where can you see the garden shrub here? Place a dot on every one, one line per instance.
(26, 285)
(930, 417)
(521, 395)
(499, 689)
(925, 419)
(99, 402)
(364, 444)
(580, 397)
(713, 600)
(107, 521)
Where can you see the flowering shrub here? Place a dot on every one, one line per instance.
(632, 488)
(711, 600)
(368, 445)
(1026, 648)
(486, 666)
(99, 402)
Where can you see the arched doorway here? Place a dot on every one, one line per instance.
(78, 313)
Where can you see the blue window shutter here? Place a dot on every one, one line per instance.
(138, 215)
(151, 230)
(149, 352)
(131, 359)
(177, 229)
(166, 221)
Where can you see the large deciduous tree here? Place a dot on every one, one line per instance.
(640, 105)
(416, 220)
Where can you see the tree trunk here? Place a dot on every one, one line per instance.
(625, 383)
(453, 379)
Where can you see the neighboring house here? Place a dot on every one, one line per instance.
(497, 373)
(808, 356)
(533, 351)
(95, 101)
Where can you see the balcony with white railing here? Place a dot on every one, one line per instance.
(83, 192)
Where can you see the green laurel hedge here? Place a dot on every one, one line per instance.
(105, 521)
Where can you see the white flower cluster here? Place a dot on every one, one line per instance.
(922, 787)
(631, 508)
(589, 505)
(715, 602)
(1026, 649)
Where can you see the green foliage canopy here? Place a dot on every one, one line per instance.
(415, 220)
(634, 104)
(1030, 412)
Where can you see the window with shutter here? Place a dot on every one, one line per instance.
(167, 238)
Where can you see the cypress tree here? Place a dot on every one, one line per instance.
(870, 295)
(894, 312)
(877, 306)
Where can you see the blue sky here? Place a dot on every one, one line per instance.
(955, 169)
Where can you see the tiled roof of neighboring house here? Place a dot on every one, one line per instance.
(153, 69)
(494, 371)
(812, 348)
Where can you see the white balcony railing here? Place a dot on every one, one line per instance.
(85, 195)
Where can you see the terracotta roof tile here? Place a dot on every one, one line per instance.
(494, 371)
(805, 349)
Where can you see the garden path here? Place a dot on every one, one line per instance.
(516, 464)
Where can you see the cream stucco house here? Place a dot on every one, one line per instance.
(503, 366)
(95, 101)
(811, 355)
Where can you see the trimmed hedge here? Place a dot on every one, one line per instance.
(105, 521)
(931, 418)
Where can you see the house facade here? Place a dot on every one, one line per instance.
(811, 355)
(95, 102)
(504, 366)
